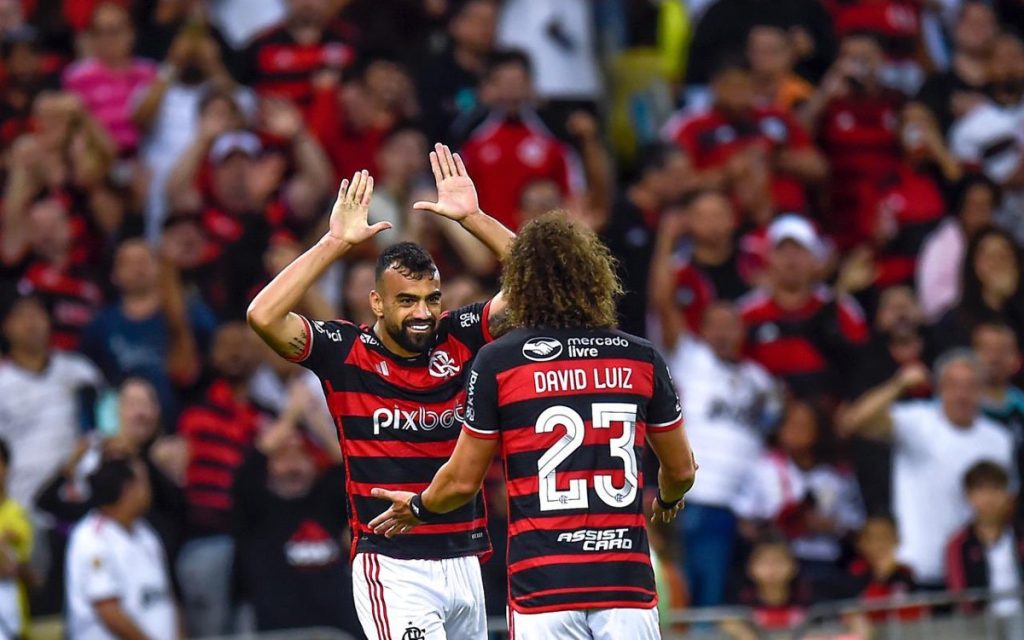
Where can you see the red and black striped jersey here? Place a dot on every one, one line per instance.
(398, 421)
(572, 409)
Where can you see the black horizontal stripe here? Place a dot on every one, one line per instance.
(200, 461)
(394, 470)
(351, 377)
(211, 437)
(426, 546)
(595, 457)
(368, 508)
(582, 576)
(613, 598)
(528, 506)
(532, 544)
(524, 413)
(206, 487)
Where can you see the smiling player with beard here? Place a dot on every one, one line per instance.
(396, 392)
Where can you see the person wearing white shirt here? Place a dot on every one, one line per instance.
(935, 442)
(117, 582)
(727, 402)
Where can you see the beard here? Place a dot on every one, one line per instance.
(411, 341)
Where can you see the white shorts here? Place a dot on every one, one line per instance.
(419, 599)
(585, 624)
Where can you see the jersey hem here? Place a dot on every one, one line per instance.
(585, 606)
(665, 426)
(477, 433)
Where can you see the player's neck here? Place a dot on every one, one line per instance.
(390, 344)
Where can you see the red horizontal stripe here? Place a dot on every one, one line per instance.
(209, 499)
(517, 384)
(398, 449)
(439, 528)
(789, 355)
(604, 604)
(555, 592)
(590, 520)
(583, 558)
(525, 439)
(211, 476)
(363, 488)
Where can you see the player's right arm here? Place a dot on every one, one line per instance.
(270, 313)
(870, 415)
(677, 466)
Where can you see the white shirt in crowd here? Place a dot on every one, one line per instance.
(930, 458)
(242, 20)
(775, 484)
(106, 561)
(559, 38)
(39, 418)
(1003, 574)
(725, 407)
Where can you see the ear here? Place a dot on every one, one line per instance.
(376, 304)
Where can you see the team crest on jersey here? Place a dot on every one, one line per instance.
(542, 349)
(414, 633)
(442, 365)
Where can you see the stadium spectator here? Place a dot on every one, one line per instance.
(169, 111)
(402, 161)
(897, 25)
(149, 332)
(662, 179)
(992, 288)
(447, 82)
(772, 56)
(725, 26)
(797, 328)
(940, 261)
(292, 562)
(907, 205)
(41, 396)
(772, 589)
(108, 80)
(935, 443)
(856, 121)
(876, 573)
(987, 553)
(798, 488)
(282, 61)
(736, 131)
(219, 431)
(118, 583)
(508, 146)
(951, 93)
(16, 540)
(26, 76)
(999, 353)
(987, 137)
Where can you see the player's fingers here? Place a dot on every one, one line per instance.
(380, 226)
(435, 166)
(369, 191)
(423, 205)
(381, 519)
(364, 178)
(447, 169)
(343, 189)
(460, 166)
(353, 186)
(450, 160)
(383, 494)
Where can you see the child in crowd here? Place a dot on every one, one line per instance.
(876, 574)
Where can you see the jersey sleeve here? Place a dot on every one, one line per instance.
(99, 578)
(664, 412)
(327, 342)
(482, 400)
(469, 324)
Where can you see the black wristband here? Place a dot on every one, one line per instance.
(666, 505)
(421, 512)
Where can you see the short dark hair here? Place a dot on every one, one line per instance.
(407, 258)
(504, 57)
(730, 61)
(108, 482)
(986, 474)
(654, 156)
(970, 180)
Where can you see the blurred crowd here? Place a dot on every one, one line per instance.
(817, 207)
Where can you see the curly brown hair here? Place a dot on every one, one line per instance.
(558, 274)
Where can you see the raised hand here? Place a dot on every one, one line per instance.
(456, 194)
(398, 518)
(348, 218)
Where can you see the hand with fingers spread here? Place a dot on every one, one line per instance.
(663, 513)
(456, 194)
(398, 518)
(349, 217)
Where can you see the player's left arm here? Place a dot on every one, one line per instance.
(455, 484)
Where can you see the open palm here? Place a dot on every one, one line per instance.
(456, 194)
(349, 217)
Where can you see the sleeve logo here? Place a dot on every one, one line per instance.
(542, 349)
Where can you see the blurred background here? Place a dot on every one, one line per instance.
(817, 207)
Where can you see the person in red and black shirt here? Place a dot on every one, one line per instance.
(876, 574)
(511, 146)
(396, 392)
(736, 131)
(797, 328)
(282, 61)
(219, 430)
(572, 402)
(856, 121)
